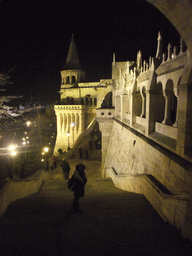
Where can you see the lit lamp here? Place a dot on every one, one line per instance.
(24, 144)
(12, 148)
(13, 152)
(46, 150)
(68, 134)
(28, 123)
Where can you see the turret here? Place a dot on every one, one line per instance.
(159, 47)
(139, 60)
(72, 73)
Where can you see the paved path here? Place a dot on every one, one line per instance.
(114, 222)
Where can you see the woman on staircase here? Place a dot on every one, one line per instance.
(78, 180)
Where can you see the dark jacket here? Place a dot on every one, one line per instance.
(65, 166)
(79, 180)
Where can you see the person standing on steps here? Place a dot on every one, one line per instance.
(55, 161)
(51, 163)
(65, 168)
(80, 152)
(78, 179)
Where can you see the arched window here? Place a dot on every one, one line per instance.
(95, 101)
(67, 79)
(73, 79)
(169, 103)
(159, 108)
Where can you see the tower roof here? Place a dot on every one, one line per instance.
(73, 61)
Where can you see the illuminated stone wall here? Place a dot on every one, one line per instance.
(150, 142)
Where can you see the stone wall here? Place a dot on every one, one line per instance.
(15, 189)
(132, 157)
(133, 153)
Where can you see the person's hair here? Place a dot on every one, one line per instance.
(80, 167)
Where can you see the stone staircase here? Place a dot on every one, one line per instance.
(114, 222)
(93, 154)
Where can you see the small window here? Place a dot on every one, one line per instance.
(67, 79)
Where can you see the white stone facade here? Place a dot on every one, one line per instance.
(78, 101)
(77, 110)
(148, 142)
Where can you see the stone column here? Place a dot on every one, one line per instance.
(133, 102)
(143, 106)
(80, 123)
(176, 120)
(105, 126)
(167, 116)
(73, 127)
(62, 123)
(68, 122)
(76, 123)
(151, 101)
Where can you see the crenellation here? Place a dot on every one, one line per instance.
(174, 54)
(169, 48)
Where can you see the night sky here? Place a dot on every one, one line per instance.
(35, 38)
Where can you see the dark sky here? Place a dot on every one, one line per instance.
(35, 37)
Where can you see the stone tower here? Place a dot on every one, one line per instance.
(72, 73)
(79, 100)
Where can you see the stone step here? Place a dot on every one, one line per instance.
(114, 222)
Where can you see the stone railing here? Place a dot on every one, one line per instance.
(170, 205)
(15, 189)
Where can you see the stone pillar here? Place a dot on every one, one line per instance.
(176, 120)
(76, 123)
(63, 123)
(68, 122)
(80, 123)
(133, 102)
(105, 126)
(73, 127)
(143, 106)
(167, 116)
(151, 101)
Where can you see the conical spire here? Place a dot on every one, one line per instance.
(73, 61)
